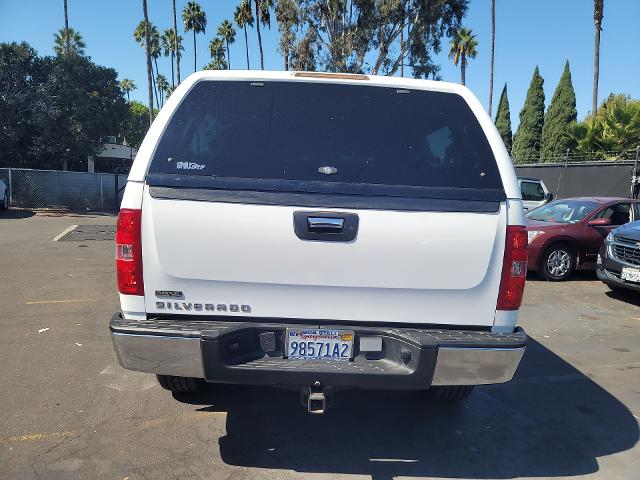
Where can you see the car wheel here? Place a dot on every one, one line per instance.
(180, 384)
(4, 205)
(450, 393)
(557, 263)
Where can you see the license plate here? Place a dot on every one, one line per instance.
(631, 274)
(319, 344)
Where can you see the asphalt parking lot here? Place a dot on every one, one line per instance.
(68, 410)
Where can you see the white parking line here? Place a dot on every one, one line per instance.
(60, 235)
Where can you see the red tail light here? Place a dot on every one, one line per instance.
(129, 252)
(514, 269)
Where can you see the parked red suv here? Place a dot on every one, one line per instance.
(566, 234)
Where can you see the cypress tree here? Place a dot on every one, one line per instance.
(526, 144)
(558, 119)
(503, 119)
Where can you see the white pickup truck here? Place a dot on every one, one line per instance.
(321, 231)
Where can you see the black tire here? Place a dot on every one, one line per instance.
(451, 393)
(557, 263)
(180, 384)
(4, 204)
(618, 290)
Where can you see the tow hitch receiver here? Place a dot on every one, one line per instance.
(316, 399)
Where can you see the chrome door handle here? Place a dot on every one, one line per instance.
(325, 224)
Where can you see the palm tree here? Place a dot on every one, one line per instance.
(262, 17)
(598, 13)
(168, 44)
(68, 42)
(463, 46)
(148, 55)
(216, 48)
(66, 28)
(228, 34)
(127, 86)
(178, 47)
(141, 34)
(163, 85)
(493, 39)
(243, 17)
(195, 20)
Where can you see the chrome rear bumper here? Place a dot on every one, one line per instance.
(200, 349)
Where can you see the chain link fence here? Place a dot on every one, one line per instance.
(52, 189)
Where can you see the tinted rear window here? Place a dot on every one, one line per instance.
(329, 134)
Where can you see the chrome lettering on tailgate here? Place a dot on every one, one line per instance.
(207, 307)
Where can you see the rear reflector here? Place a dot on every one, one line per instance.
(129, 252)
(514, 269)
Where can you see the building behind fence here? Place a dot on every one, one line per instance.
(60, 189)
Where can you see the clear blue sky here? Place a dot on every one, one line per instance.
(528, 32)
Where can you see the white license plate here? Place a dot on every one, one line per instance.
(319, 344)
(631, 274)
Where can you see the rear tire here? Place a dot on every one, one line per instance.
(451, 393)
(180, 384)
(557, 263)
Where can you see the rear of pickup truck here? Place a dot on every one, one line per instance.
(321, 231)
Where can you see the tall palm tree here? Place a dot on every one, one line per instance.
(243, 17)
(163, 85)
(463, 45)
(228, 34)
(195, 20)
(258, 18)
(216, 48)
(141, 34)
(177, 47)
(598, 13)
(493, 39)
(66, 28)
(148, 55)
(68, 37)
(168, 44)
(127, 86)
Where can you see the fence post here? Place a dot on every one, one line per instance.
(115, 192)
(10, 188)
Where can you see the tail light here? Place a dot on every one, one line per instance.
(514, 269)
(129, 252)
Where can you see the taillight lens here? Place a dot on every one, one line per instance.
(514, 269)
(129, 252)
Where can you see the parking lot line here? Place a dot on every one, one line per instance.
(36, 436)
(63, 233)
(41, 302)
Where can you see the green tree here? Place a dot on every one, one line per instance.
(503, 119)
(195, 20)
(136, 124)
(127, 86)
(558, 119)
(598, 14)
(228, 34)
(526, 143)
(493, 41)
(364, 37)
(68, 40)
(243, 17)
(147, 50)
(67, 47)
(168, 44)
(287, 13)
(54, 111)
(614, 132)
(178, 47)
(216, 48)
(140, 35)
(463, 46)
(163, 85)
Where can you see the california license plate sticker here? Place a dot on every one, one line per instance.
(319, 344)
(631, 274)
